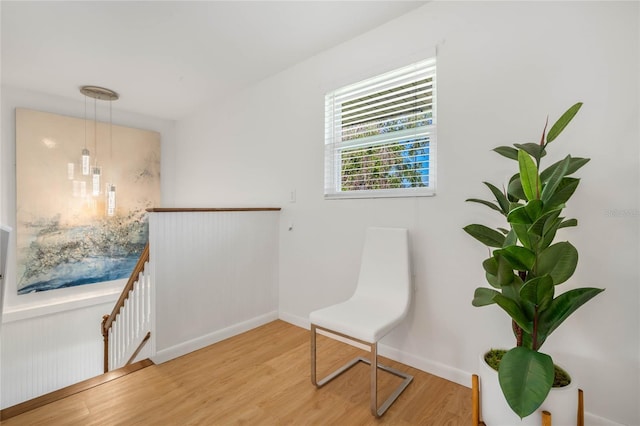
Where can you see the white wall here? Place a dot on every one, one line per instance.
(502, 67)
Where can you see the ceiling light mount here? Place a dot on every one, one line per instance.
(99, 93)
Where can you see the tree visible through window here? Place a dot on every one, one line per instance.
(380, 135)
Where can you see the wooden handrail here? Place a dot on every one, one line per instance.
(144, 257)
(107, 320)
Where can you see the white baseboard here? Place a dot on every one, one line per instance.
(593, 420)
(184, 348)
(295, 320)
(429, 366)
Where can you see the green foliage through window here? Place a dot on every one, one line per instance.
(381, 133)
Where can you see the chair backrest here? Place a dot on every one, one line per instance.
(385, 268)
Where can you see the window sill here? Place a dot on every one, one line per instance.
(380, 194)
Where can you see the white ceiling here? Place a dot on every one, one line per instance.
(167, 58)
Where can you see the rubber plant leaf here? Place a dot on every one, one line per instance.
(486, 203)
(490, 266)
(521, 258)
(528, 176)
(533, 149)
(526, 377)
(485, 235)
(562, 122)
(534, 209)
(507, 151)
(537, 295)
(527, 239)
(501, 198)
(512, 308)
(569, 222)
(519, 215)
(562, 307)
(575, 164)
(559, 261)
(483, 296)
(514, 189)
(542, 224)
(550, 187)
(562, 194)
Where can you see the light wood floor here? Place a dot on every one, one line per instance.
(257, 378)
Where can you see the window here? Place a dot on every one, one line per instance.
(380, 135)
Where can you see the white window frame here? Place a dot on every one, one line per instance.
(334, 144)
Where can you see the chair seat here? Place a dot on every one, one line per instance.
(363, 320)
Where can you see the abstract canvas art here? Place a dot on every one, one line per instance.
(75, 226)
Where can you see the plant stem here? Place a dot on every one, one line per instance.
(518, 332)
(534, 335)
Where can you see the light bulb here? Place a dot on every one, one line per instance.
(85, 162)
(111, 200)
(96, 181)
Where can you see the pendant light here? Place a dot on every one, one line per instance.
(86, 159)
(98, 93)
(111, 187)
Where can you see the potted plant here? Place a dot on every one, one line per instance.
(527, 266)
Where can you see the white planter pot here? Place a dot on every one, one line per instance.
(562, 403)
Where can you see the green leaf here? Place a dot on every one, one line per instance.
(559, 261)
(483, 296)
(564, 191)
(549, 230)
(574, 165)
(537, 294)
(528, 176)
(569, 222)
(500, 197)
(562, 122)
(522, 231)
(505, 275)
(550, 187)
(542, 224)
(498, 271)
(562, 307)
(512, 308)
(533, 149)
(486, 203)
(507, 151)
(514, 189)
(490, 266)
(519, 215)
(485, 235)
(511, 239)
(520, 258)
(526, 377)
(534, 209)
(512, 291)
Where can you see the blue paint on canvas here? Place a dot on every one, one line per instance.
(60, 257)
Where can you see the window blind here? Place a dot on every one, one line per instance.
(380, 135)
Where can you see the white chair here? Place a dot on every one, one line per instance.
(379, 304)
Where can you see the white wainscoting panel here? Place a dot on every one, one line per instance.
(212, 271)
(45, 353)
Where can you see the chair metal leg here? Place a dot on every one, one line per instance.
(374, 380)
(373, 362)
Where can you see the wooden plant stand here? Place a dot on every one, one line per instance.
(546, 416)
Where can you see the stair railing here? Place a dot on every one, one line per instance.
(127, 328)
